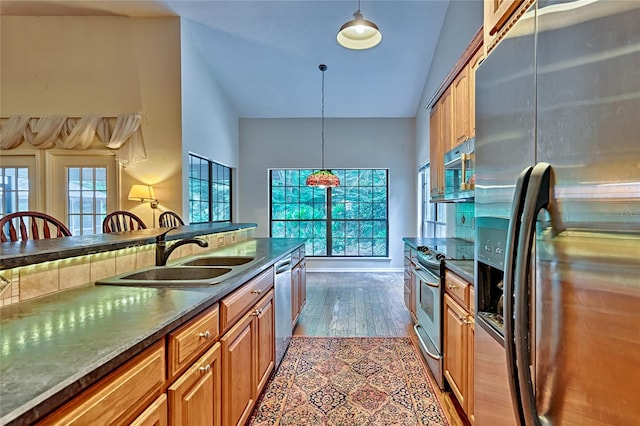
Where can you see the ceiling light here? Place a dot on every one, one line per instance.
(323, 178)
(359, 33)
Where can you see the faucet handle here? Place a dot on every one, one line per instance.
(161, 237)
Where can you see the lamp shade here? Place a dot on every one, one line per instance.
(323, 179)
(359, 34)
(142, 193)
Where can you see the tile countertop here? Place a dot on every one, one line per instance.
(53, 347)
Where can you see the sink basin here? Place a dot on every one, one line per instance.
(219, 261)
(169, 277)
(176, 274)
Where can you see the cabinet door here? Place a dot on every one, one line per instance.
(455, 347)
(239, 371)
(266, 341)
(470, 372)
(302, 283)
(436, 156)
(447, 140)
(295, 295)
(194, 398)
(461, 106)
(473, 66)
(497, 12)
(154, 415)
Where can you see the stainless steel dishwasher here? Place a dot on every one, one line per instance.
(283, 307)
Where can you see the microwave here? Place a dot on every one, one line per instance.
(459, 172)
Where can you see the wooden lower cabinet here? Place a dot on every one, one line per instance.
(120, 397)
(298, 290)
(459, 334)
(195, 397)
(155, 414)
(246, 365)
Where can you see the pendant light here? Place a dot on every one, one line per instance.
(359, 34)
(323, 178)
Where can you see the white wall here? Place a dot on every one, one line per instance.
(209, 121)
(106, 66)
(349, 143)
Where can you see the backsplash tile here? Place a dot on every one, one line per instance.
(31, 281)
(465, 225)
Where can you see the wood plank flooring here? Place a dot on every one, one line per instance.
(353, 304)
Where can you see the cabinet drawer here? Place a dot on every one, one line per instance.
(121, 396)
(458, 288)
(237, 303)
(192, 339)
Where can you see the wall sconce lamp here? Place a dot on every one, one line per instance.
(145, 194)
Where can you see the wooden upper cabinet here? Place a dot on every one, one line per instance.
(499, 17)
(446, 121)
(496, 14)
(461, 107)
(472, 67)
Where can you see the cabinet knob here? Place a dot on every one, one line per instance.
(452, 286)
(205, 334)
(205, 368)
(257, 312)
(257, 291)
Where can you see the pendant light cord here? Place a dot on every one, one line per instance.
(323, 69)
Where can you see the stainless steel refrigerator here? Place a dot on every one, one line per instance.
(558, 218)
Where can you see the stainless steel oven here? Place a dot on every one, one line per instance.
(428, 281)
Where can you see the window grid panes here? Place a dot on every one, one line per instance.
(210, 188)
(14, 192)
(86, 199)
(355, 225)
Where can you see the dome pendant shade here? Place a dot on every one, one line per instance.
(323, 178)
(359, 34)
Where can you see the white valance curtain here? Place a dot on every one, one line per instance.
(124, 136)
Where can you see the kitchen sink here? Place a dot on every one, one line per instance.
(219, 261)
(162, 276)
(176, 274)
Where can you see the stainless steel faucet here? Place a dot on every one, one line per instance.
(163, 252)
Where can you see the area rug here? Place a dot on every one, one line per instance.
(350, 381)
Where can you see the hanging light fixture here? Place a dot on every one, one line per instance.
(359, 33)
(323, 178)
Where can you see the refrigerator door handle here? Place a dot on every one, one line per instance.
(522, 184)
(537, 198)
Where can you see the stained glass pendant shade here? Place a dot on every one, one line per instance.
(323, 178)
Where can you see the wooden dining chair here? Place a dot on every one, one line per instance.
(30, 225)
(120, 221)
(170, 219)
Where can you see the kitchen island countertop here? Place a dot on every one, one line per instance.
(56, 346)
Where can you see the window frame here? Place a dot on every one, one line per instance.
(329, 220)
(431, 214)
(212, 183)
(28, 161)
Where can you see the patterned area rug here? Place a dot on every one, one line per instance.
(350, 381)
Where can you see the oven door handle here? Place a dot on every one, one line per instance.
(427, 279)
(424, 345)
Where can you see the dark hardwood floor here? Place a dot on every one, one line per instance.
(353, 304)
(349, 304)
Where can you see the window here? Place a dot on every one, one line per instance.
(348, 221)
(14, 189)
(17, 183)
(209, 191)
(79, 189)
(87, 199)
(432, 214)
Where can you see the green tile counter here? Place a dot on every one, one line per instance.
(53, 347)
